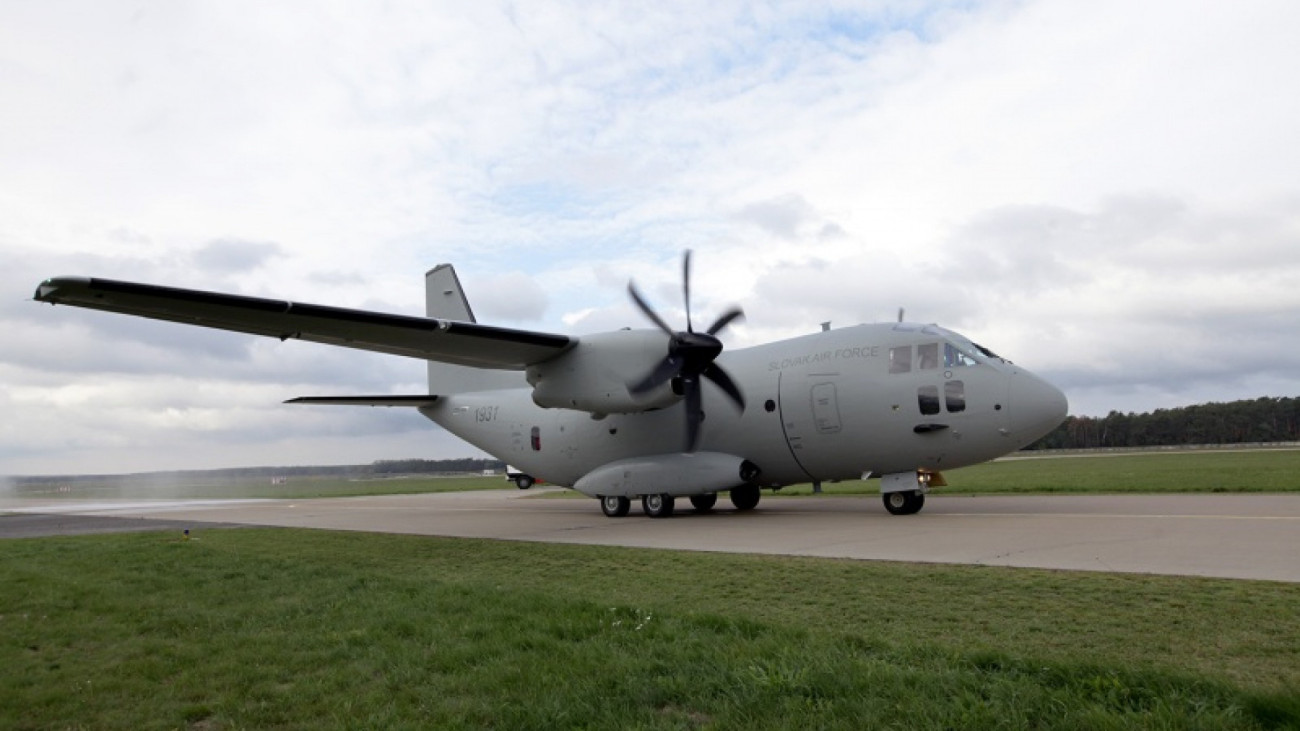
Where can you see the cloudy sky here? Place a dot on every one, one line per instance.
(1106, 192)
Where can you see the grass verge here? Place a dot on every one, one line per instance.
(298, 629)
(1271, 470)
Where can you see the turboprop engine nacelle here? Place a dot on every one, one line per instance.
(670, 474)
(594, 375)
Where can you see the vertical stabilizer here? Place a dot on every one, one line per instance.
(445, 299)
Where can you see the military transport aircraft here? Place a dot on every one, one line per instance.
(627, 414)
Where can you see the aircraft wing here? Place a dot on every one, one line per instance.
(448, 341)
(407, 401)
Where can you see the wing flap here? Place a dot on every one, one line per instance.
(447, 341)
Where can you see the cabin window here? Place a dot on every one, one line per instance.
(537, 439)
(927, 356)
(954, 394)
(927, 398)
(900, 359)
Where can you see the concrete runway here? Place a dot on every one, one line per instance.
(1244, 536)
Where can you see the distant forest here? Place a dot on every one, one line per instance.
(1264, 419)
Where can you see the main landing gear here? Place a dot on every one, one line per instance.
(615, 506)
(661, 505)
(908, 502)
(658, 506)
(745, 497)
(704, 503)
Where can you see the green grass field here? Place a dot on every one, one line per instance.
(1267, 470)
(257, 628)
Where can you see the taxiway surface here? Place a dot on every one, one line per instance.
(1243, 536)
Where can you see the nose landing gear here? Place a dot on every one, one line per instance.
(904, 503)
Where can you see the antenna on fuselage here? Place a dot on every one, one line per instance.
(900, 314)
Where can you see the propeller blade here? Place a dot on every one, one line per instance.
(640, 302)
(667, 369)
(694, 413)
(686, 288)
(690, 357)
(724, 382)
(729, 317)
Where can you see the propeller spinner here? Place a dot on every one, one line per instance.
(690, 356)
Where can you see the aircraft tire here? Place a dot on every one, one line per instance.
(523, 482)
(903, 503)
(704, 503)
(745, 497)
(658, 505)
(615, 506)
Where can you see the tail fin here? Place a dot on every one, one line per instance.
(445, 299)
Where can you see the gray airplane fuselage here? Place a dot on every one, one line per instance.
(835, 405)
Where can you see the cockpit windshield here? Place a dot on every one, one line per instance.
(949, 350)
(955, 357)
(969, 346)
(931, 356)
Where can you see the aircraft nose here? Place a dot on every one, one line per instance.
(1037, 407)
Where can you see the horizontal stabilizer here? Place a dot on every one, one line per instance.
(407, 401)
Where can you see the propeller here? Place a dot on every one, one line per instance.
(690, 357)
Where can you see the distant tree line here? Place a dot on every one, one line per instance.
(1264, 419)
(434, 466)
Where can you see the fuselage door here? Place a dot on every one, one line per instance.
(825, 409)
(812, 421)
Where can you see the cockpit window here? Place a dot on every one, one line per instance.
(927, 356)
(900, 359)
(955, 357)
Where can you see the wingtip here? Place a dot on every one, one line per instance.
(48, 290)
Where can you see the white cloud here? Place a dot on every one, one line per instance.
(1105, 192)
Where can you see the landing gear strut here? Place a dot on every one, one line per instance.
(904, 503)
